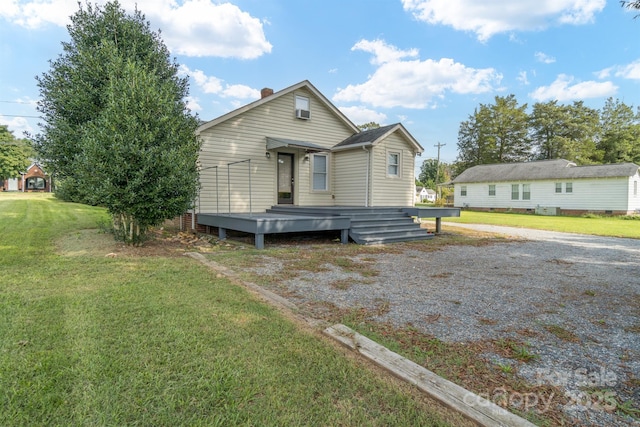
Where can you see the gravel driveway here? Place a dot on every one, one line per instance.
(575, 299)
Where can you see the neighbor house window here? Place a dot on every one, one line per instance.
(492, 189)
(568, 187)
(393, 164)
(526, 191)
(35, 183)
(320, 172)
(515, 191)
(463, 190)
(558, 187)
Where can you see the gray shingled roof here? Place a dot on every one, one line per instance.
(545, 169)
(370, 135)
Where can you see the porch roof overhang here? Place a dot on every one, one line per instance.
(275, 143)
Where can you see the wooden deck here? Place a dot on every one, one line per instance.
(363, 225)
(269, 223)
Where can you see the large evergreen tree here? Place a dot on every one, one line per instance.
(509, 130)
(620, 141)
(496, 133)
(548, 124)
(116, 123)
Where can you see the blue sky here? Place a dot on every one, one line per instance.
(425, 63)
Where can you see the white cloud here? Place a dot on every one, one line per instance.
(216, 86)
(604, 74)
(488, 18)
(38, 13)
(202, 28)
(544, 58)
(192, 103)
(629, 71)
(564, 89)
(193, 28)
(383, 52)
(17, 125)
(361, 115)
(240, 92)
(522, 78)
(414, 83)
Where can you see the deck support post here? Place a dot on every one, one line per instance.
(222, 233)
(259, 241)
(438, 225)
(344, 236)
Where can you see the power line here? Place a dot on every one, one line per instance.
(20, 115)
(17, 102)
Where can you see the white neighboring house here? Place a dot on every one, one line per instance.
(550, 187)
(425, 195)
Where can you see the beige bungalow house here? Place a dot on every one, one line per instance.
(303, 151)
(294, 148)
(550, 187)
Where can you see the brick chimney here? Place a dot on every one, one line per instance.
(266, 92)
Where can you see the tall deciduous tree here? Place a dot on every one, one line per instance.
(620, 141)
(548, 124)
(368, 126)
(433, 172)
(496, 133)
(634, 4)
(474, 145)
(509, 130)
(14, 154)
(116, 122)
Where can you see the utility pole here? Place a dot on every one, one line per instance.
(439, 144)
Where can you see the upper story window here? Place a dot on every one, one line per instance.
(492, 189)
(302, 107)
(320, 172)
(393, 164)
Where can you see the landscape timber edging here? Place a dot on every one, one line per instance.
(472, 406)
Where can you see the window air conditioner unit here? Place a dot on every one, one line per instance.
(303, 114)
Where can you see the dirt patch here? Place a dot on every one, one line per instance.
(161, 242)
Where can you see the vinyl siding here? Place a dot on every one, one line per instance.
(392, 191)
(244, 137)
(634, 193)
(588, 194)
(350, 176)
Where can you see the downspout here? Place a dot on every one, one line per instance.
(366, 181)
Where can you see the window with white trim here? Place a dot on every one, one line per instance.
(526, 191)
(568, 187)
(320, 172)
(393, 164)
(492, 189)
(463, 190)
(558, 187)
(515, 191)
(302, 107)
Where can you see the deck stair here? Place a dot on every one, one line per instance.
(368, 225)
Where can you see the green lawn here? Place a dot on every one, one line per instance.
(161, 340)
(600, 226)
